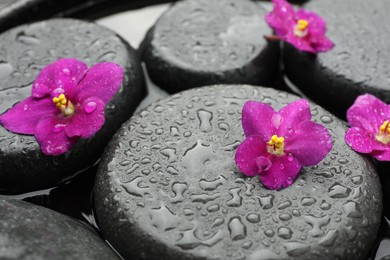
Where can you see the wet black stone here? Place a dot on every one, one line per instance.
(201, 42)
(168, 188)
(23, 52)
(358, 64)
(28, 231)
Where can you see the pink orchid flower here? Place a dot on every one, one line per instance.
(303, 29)
(67, 103)
(278, 144)
(370, 130)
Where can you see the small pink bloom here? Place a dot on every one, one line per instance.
(303, 29)
(67, 103)
(278, 144)
(369, 119)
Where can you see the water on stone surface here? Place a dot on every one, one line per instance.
(74, 198)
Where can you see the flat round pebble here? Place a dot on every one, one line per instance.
(359, 63)
(24, 51)
(201, 42)
(28, 231)
(168, 187)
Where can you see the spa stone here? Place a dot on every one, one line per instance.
(359, 62)
(168, 187)
(24, 51)
(28, 231)
(201, 42)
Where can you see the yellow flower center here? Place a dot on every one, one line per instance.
(276, 145)
(300, 29)
(384, 133)
(64, 104)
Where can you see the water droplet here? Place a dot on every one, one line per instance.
(325, 206)
(170, 153)
(23, 38)
(237, 229)
(284, 233)
(212, 185)
(339, 191)
(224, 126)
(352, 209)
(58, 127)
(178, 189)
(90, 107)
(195, 158)
(5, 69)
(204, 197)
(284, 204)
(132, 168)
(253, 218)
(296, 248)
(266, 202)
(136, 187)
(217, 222)
(188, 212)
(326, 119)
(269, 233)
(205, 118)
(213, 208)
(285, 217)
(316, 223)
(174, 131)
(163, 219)
(66, 71)
(357, 180)
(308, 201)
(329, 239)
(236, 199)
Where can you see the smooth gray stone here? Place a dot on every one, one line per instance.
(358, 64)
(28, 231)
(168, 188)
(24, 51)
(201, 42)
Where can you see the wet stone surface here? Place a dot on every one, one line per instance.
(168, 188)
(28, 231)
(202, 42)
(24, 51)
(358, 63)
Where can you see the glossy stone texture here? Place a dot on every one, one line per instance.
(168, 188)
(359, 63)
(23, 52)
(201, 42)
(28, 231)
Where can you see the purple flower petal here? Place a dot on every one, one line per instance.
(63, 74)
(87, 120)
(292, 115)
(102, 80)
(368, 112)
(299, 43)
(282, 173)
(281, 18)
(317, 25)
(259, 119)
(362, 141)
(247, 155)
(381, 155)
(51, 136)
(24, 116)
(309, 144)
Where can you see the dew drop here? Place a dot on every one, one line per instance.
(90, 107)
